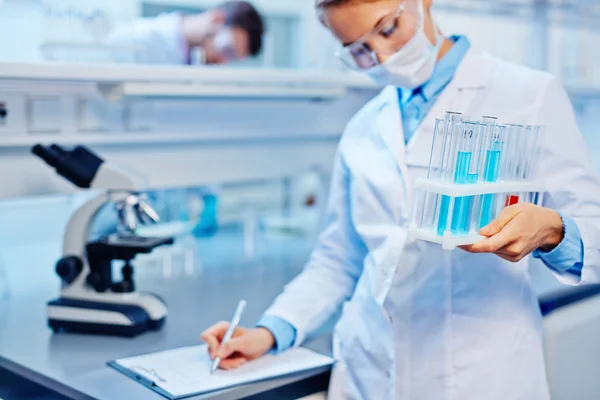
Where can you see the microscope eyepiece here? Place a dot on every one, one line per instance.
(49, 155)
(58, 150)
(79, 165)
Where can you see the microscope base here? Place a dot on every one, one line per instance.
(66, 315)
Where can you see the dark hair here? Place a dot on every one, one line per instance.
(243, 15)
(327, 3)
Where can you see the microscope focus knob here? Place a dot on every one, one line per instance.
(68, 268)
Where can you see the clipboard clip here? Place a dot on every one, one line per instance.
(145, 372)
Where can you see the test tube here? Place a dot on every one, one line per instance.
(467, 167)
(454, 123)
(431, 200)
(427, 210)
(540, 142)
(512, 151)
(494, 143)
(509, 153)
(532, 151)
(437, 150)
(453, 133)
(517, 134)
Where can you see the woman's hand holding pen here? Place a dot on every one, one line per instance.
(245, 345)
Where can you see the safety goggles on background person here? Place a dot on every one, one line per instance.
(387, 37)
(224, 43)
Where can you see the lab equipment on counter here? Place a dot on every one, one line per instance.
(198, 205)
(185, 372)
(180, 260)
(476, 169)
(90, 301)
(235, 320)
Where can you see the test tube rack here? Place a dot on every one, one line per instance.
(477, 168)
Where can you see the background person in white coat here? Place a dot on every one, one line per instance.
(231, 31)
(228, 32)
(419, 323)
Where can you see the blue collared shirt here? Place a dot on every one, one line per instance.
(415, 105)
(284, 332)
(568, 255)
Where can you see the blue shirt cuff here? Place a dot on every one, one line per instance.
(284, 332)
(568, 255)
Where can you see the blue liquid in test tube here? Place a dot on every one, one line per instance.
(463, 210)
(460, 215)
(443, 220)
(490, 174)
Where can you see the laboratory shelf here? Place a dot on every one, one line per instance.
(291, 8)
(146, 138)
(187, 90)
(170, 74)
(117, 81)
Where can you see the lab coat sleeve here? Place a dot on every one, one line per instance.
(572, 183)
(149, 41)
(123, 43)
(333, 270)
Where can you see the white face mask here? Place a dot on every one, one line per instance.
(412, 65)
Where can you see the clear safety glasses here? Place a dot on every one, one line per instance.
(224, 43)
(361, 55)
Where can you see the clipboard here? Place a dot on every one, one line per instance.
(153, 384)
(185, 372)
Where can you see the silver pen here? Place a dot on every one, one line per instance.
(237, 316)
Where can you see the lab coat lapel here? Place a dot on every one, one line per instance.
(463, 94)
(389, 123)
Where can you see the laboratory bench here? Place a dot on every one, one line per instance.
(74, 365)
(71, 366)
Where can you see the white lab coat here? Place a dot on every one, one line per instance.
(155, 40)
(419, 323)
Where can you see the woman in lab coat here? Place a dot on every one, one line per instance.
(419, 323)
(228, 32)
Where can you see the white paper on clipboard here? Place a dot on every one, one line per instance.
(186, 371)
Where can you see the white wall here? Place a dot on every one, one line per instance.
(575, 54)
(21, 31)
(502, 36)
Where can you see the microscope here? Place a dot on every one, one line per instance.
(90, 300)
